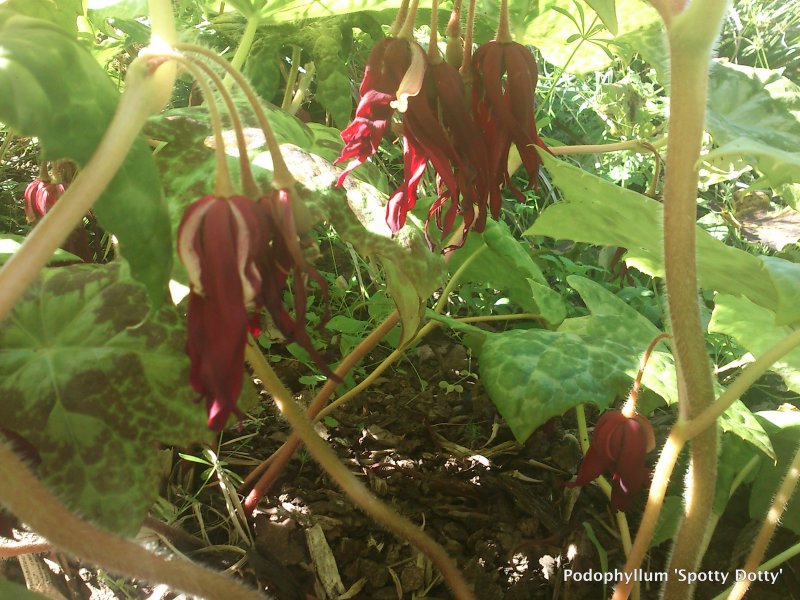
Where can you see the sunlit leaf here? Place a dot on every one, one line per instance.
(599, 212)
(53, 89)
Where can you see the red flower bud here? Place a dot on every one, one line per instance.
(619, 447)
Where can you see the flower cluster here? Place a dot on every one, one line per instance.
(238, 254)
(464, 135)
(619, 447)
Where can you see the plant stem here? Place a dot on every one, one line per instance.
(32, 502)
(291, 79)
(357, 492)
(655, 500)
(6, 144)
(243, 49)
(740, 385)
(629, 409)
(276, 463)
(10, 550)
(771, 520)
(163, 36)
(22, 268)
(281, 176)
(773, 562)
(223, 187)
(691, 37)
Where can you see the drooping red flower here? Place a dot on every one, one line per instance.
(393, 73)
(40, 196)
(506, 76)
(619, 447)
(219, 242)
(282, 257)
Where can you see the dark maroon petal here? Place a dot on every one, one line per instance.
(593, 465)
(404, 197)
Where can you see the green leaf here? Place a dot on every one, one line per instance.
(598, 212)
(59, 13)
(95, 385)
(784, 430)
(559, 19)
(754, 328)
(291, 10)
(606, 10)
(614, 320)
(668, 520)
(9, 589)
(535, 375)
(754, 116)
(10, 243)
(53, 89)
(99, 10)
(503, 263)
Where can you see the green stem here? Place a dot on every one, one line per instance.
(740, 385)
(769, 565)
(33, 503)
(223, 187)
(771, 520)
(691, 37)
(356, 490)
(163, 37)
(655, 500)
(291, 79)
(243, 49)
(134, 108)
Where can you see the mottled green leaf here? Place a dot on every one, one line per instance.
(535, 375)
(784, 431)
(612, 319)
(95, 388)
(560, 19)
(499, 261)
(98, 10)
(54, 89)
(598, 212)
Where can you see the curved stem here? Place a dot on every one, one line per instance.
(771, 520)
(276, 463)
(163, 36)
(22, 268)
(245, 170)
(281, 176)
(291, 79)
(32, 502)
(655, 500)
(741, 384)
(357, 492)
(629, 409)
(223, 187)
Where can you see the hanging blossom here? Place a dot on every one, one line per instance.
(619, 447)
(239, 254)
(505, 83)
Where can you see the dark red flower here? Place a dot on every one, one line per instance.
(282, 257)
(394, 72)
(619, 447)
(504, 110)
(219, 242)
(40, 196)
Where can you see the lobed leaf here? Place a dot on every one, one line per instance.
(95, 385)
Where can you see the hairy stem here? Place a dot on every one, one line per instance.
(691, 37)
(357, 492)
(771, 520)
(655, 500)
(22, 268)
(29, 500)
(163, 36)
